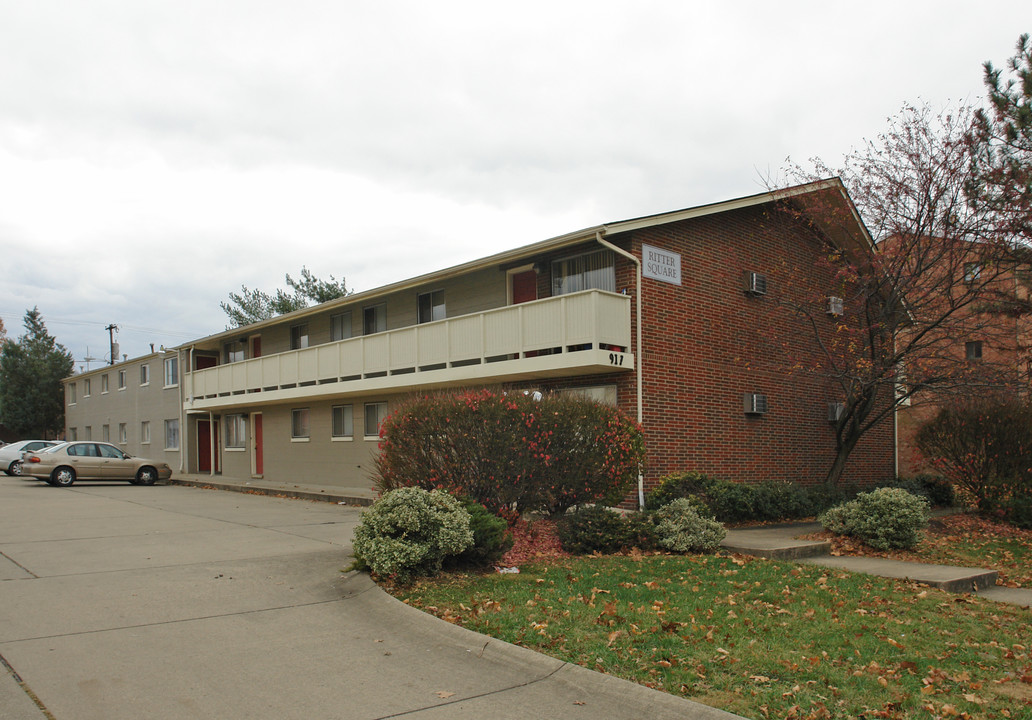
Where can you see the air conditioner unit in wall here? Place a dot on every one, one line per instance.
(754, 404)
(835, 306)
(835, 411)
(755, 284)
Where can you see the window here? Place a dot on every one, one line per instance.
(123, 434)
(340, 326)
(235, 431)
(88, 432)
(71, 393)
(374, 319)
(171, 371)
(73, 434)
(973, 350)
(235, 351)
(145, 374)
(172, 434)
(104, 383)
(299, 428)
(374, 416)
(591, 271)
(431, 306)
(343, 420)
(299, 336)
(145, 432)
(121, 379)
(86, 388)
(972, 271)
(105, 433)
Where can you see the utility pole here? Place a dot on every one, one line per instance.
(111, 336)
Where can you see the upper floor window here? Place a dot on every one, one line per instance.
(972, 271)
(235, 351)
(121, 379)
(104, 383)
(299, 336)
(171, 371)
(86, 388)
(340, 326)
(591, 271)
(374, 319)
(71, 393)
(431, 306)
(145, 374)
(973, 350)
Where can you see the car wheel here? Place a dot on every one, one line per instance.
(14, 468)
(146, 476)
(63, 476)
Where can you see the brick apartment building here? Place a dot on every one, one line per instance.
(670, 317)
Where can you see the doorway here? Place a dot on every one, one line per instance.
(207, 445)
(257, 448)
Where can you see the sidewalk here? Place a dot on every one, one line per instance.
(362, 496)
(778, 542)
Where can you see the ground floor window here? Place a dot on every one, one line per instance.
(343, 421)
(123, 434)
(299, 427)
(105, 433)
(145, 432)
(235, 431)
(172, 434)
(88, 434)
(73, 434)
(375, 413)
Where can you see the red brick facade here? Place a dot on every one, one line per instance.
(706, 343)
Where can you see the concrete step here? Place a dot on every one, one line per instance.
(946, 577)
(776, 542)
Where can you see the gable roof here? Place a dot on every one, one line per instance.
(842, 226)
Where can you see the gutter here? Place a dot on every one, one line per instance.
(637, 352)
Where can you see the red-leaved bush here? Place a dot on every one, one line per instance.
(510, 452)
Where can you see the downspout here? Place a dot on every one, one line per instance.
(637, 351)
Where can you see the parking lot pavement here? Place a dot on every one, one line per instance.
(118, 601)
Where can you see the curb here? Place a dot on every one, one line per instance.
(275, 492)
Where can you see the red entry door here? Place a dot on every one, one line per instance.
(258, 461)
(206, 440)
(524, 287)
(256, 346)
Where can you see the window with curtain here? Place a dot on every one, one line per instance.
(590, 271)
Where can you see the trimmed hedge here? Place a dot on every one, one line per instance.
(511, 452)
(885, 518)
(598, 529)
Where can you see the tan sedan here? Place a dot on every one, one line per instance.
(63, 464)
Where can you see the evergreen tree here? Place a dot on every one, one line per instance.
(31, 370)
(251, 306)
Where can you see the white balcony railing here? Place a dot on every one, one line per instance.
(527, 332)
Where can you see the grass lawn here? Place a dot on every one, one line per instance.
(759, 638)
(964, 540)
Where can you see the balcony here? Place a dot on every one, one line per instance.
(578, 334)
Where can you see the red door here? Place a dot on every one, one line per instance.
(203, 446)
(204, 362)
(524, 287)
(256, 346)
(258, 461)
(206, 440)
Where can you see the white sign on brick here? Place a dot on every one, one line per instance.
(661, 264)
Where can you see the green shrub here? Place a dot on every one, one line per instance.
(491, 538)
(1018, 511)
(599, 529)
(679, 485)
(732, 502)
(680, 528)
(510, 452)
(938, 491)
(410, 532)
(885, 518)
(781, 500)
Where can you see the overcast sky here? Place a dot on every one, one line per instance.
(155, 156)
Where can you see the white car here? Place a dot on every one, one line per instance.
(11, 454)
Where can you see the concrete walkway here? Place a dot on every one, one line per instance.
(780, 542)
(120, 602)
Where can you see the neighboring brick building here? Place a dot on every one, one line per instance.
(282, 398)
